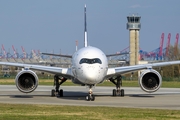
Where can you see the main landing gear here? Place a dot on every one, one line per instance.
(90, 97)
(57, 82)
(118, 84)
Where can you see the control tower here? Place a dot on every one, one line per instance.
(134, 25)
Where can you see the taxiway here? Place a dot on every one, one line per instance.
(165, 98)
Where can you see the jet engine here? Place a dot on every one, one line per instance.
(150, 80)
(26, 81)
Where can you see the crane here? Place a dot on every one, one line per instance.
(168, 44)
(161, 46)
(176, 45)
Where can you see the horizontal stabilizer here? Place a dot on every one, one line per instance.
(60, 55)
(118, 54)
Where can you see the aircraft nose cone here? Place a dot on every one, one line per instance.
(91, 74)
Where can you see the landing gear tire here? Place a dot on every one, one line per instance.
(114, 92)
(119, 92)
(122, 92)
(90, 97)
(52, 93)
(61, 93)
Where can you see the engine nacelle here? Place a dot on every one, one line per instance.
(26, 81)
(150, 80)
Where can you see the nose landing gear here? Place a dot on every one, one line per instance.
(90, 97)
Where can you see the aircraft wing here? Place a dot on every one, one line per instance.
(54, 70)
(109, 55)
(60, 55)
(128, 69)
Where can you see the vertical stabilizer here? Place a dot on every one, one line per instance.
(85, 29)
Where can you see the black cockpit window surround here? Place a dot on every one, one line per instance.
(90, 61)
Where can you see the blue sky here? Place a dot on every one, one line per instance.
(55, 25)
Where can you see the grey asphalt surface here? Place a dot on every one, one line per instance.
(165, 98)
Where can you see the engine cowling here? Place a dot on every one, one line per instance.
(150, 80)
(26, 81)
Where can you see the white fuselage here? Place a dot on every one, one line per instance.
(89, 65)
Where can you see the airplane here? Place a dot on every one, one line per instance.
(89, 67)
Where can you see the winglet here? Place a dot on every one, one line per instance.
(85, 29)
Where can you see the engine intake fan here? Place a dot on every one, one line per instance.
(150, 80)
(26, 81)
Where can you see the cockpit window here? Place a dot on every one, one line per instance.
(90, 61)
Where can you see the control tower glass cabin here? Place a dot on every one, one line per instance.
(134, 25)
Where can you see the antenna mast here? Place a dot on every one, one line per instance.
(76, 45)
(85, 28)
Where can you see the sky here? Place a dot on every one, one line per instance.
(55, 25)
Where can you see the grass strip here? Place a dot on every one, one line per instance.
(53, 112)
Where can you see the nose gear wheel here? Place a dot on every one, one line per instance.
(90, 96)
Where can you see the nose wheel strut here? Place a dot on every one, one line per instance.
(118, 82)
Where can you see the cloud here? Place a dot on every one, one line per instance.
(135, 6)
(139, 6)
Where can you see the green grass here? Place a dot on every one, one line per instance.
(126, 83)
(54, 112)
